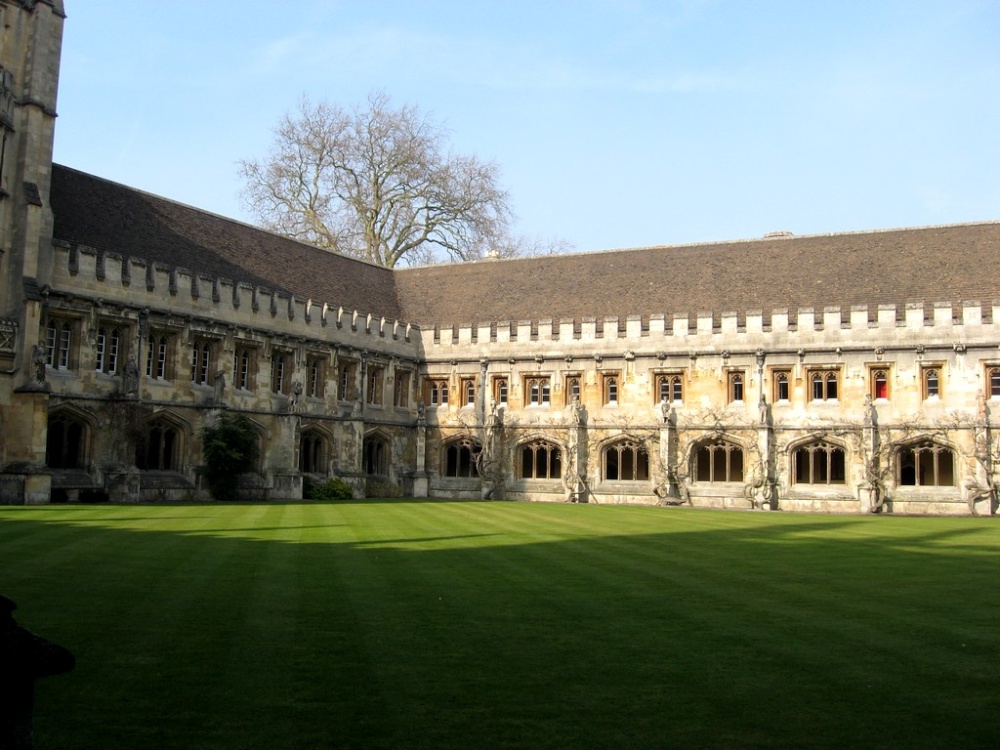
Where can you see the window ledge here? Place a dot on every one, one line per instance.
(60, 372)
(926, 489)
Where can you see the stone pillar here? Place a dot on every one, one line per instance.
(26, 430)
(286, 479)
(363, 386)
(421, 483)
(873, 498)
(577, 449)
(666, 454)
(352, 469)
(765, 444)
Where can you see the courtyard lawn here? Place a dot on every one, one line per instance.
(502, 625)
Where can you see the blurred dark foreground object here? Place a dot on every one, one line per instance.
(24, 658)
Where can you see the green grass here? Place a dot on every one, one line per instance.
(502, 625)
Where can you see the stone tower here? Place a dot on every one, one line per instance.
(30, 48)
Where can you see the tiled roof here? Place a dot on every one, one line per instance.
(955, 264)
(114, 218)
(935, 264)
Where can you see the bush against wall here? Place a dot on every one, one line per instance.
(332, 489)
(230, 449)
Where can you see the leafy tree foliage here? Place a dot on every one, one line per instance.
(378, 183)
(230, 449)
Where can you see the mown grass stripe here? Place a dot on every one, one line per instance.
(413, 624)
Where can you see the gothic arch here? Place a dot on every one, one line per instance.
(817, 460)
(376, 453)
(164, 445)
(459, 455)
(315, 449)
(539, 457)
(69, 438)
(624, 459)
(923, 461)
(263, 436)
(717, 458)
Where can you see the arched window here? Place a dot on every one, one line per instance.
(345, 381)
(156, 357)
(538, 391)
(281, 366)
(66, 442)
(993, 375)
(500, 391)
(573, 388)
(669, 388)
(401, 391)
(312, 452)
(819, 463)
(160, 448)
(932, 382)
(736, 386)
(470, 392)
(611, 390)
(718, 461)
(376, 456)
(58, 339)
(437, 392)
(782, 389)
(376, 377)
(314, 383)
(824, 385)
(108, 347)
(540, 459)
(201, 359)
(459, 458)
(926, 464)
(626, 461)
(880, 383)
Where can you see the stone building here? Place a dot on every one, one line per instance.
(838, 373)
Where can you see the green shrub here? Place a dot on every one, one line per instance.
(332, 489)
(229, 449)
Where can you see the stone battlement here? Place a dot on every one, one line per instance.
(136, 282)
(938, 324)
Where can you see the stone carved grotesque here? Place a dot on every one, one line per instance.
(38, 362)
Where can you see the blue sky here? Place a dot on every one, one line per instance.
(617, 123)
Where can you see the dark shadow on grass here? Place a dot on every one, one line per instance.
(776, 634)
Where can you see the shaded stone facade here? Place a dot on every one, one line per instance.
(836, 373)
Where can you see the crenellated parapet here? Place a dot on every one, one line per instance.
(82, 272)
(941, 324)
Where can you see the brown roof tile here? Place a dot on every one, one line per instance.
(934, 264)
(114, 218)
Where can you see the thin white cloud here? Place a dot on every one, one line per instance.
(387, 50)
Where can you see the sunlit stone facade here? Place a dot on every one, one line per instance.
(843, 373)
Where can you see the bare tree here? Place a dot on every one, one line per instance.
(377, 183)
